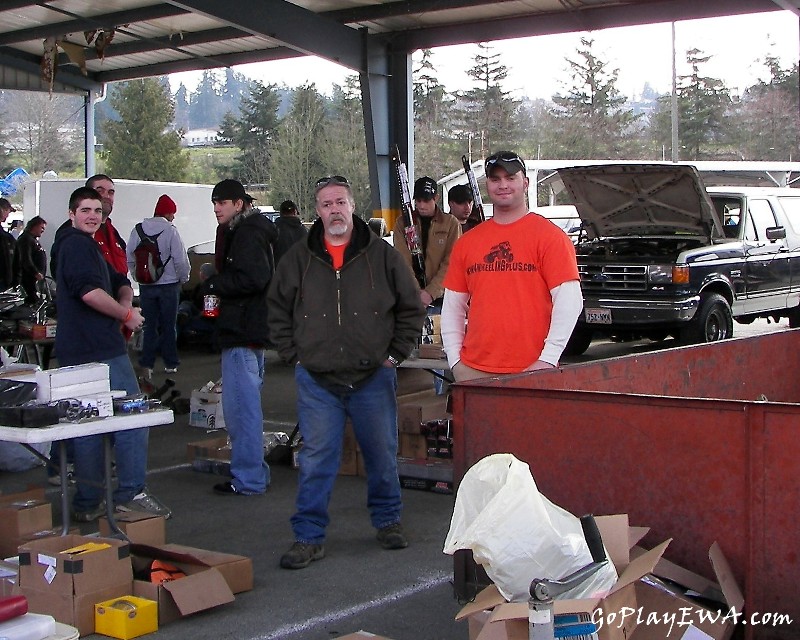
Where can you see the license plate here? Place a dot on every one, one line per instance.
(598, 316)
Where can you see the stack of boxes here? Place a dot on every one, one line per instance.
(88, 383)
(424, 444)
(24, 517)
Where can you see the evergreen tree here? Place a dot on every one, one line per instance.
(703, 108)
(590, 116)
(182, 108)
(346, 144)
(206, 107)
(297, 158)
(254, 133)
(435, 154)
(488, 112)
(141, 146)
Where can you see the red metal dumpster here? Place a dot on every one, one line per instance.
(701, 444)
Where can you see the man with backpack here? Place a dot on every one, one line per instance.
(158, 261)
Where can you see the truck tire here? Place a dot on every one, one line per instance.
(794, 317)
(712, 322)
(578, 342)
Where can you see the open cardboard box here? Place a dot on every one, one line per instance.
(203, 587)
(638, 607)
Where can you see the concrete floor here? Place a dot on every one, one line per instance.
(403, 595)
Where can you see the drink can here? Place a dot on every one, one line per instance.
(211, 306)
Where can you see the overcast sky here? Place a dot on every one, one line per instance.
(537, 66)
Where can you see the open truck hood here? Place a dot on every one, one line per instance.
(641, 200)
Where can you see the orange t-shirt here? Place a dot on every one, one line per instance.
(336, 252)
(508, 271)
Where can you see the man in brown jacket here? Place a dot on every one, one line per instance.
(438, 232)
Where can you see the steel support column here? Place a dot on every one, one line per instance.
(386, 92)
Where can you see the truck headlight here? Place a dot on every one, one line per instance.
(660, 274)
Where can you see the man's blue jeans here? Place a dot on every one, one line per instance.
(160, 310)
(322, 415)
(242, 377)
(130, 450)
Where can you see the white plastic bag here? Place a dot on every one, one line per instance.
(517, 534)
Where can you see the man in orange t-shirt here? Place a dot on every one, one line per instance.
(516, 278)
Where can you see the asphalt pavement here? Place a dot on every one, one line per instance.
(403, 595)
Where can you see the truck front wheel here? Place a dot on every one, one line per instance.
(578, 342)
(712, 322)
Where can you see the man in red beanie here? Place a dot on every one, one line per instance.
(158, 296)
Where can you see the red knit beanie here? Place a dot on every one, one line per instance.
(165, 206)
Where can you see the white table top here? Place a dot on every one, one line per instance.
(64, 430)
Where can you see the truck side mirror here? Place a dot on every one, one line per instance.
(776, 233)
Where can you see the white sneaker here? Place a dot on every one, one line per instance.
(146, 503)
(170, 369)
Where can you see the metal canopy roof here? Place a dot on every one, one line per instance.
(142, 38)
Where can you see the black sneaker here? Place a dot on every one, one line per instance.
(392, 536)
(300, 555)
(227, 489)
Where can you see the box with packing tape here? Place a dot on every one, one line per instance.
(643, 604)
(65, 576)
(138, 527)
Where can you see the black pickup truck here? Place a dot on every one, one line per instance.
(660, 255)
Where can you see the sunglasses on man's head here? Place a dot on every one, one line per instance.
(504, 157)
(331, 180)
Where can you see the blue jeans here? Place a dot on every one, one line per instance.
(242, 377)
(160, 310)
(130, 451)
(322, 415)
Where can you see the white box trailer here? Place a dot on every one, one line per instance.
(134, 201)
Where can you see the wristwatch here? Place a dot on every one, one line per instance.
(393, 360)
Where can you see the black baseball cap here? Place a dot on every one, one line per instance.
(460, 194)
(509, 160)
(230, 190)
(425, 189)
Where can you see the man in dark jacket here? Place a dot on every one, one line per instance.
(290, 229)
(30, 259)
(7, 244)
(345, 309)
(245, 269)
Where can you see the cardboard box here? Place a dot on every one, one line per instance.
(66, 584)
(618, 614)
(434, 351)
(37, 331)
(22, 514)
(125, 618)
(413, 445)
(10, 546)
(203, 588)
(415, 409)
(141, 528)
(205, 413)
(410, 381)
(237, 570)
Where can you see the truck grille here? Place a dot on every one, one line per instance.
(613, 277)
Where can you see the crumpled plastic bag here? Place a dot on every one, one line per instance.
(517, 534)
